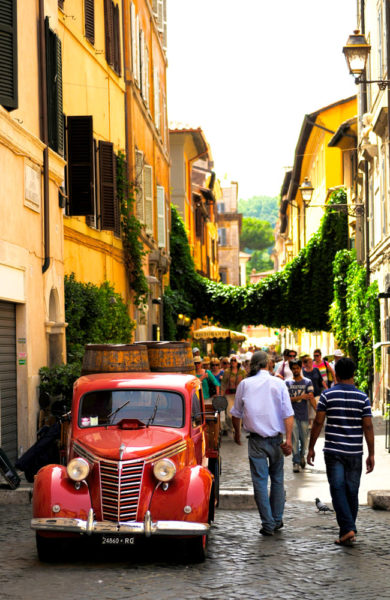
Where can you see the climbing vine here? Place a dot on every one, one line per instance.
(354, 315)
(131, 231)
(299, 296)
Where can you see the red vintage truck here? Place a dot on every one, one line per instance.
(136, 465)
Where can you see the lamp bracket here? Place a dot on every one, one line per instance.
(382, 83)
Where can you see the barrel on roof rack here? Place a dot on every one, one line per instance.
(170, 357)
(115, 358)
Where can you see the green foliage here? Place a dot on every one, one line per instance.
(259, 261)
(260, 207)
(59, 380)
(95, 315)
(131, 231)
(297, 297)
(354, 315)
(256, 234)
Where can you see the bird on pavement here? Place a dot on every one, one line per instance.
(322, 507)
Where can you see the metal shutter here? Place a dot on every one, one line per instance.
(8, 401)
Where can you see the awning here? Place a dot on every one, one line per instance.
(218, 333)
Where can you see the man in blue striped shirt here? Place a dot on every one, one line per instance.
(348, 417)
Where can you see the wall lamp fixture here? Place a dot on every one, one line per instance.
(356, 53)
(307, 190)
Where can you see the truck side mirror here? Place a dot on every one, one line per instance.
(219, 403)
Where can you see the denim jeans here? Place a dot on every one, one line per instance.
(344, 479)
(300, 436)
(266, 459)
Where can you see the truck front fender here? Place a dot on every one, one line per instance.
(54, 488)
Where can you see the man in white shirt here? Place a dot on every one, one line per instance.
(263, 404)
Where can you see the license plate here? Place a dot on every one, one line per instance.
(118, 540)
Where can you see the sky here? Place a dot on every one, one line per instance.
(248, 71)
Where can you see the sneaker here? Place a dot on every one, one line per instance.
(303, 462)
(281, 524)
(266, 532)
(295, 468)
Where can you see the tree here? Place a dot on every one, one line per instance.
(256, 234)
(260, 207)
(259, 261)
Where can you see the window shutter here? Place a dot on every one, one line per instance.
(139, 163)
(80, 166)
(117, 39)
(146, 69)
(142, 62)
(61, 4)
(133, 41)
(148, 198)
(107, 184)
(165, 28)
(137, 69)
(160, 15)
(154, 7)
(89, 20)
(54, 89)
(8, 55)
(109, 31)
(156, 85)
(160, 216)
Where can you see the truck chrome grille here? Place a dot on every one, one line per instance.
(120, 484)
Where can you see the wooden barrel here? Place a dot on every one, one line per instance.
(170, 357)
(114, 358)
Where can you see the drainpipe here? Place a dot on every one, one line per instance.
(44, 135)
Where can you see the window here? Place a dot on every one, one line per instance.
(89, 20)
(80, 166)
(221, 207)
(223, 276)
(161, 217)
(113, 38)
(8, 55)
(135, 45)
(222, 236)
(198, 223)
(54, 90)
(109, 206)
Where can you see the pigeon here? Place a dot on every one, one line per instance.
(322, 507)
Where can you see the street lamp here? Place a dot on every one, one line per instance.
(306, 193)
(356, 53)
(306, 190)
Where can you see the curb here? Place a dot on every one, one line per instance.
(241, 499)
(22, 495)
(379, 499)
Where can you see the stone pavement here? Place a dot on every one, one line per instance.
(299, 562)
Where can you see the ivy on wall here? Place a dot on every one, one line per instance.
(355, 315)
(299, 296)
(131, 232)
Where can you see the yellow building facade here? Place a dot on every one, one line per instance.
(32, 327)
(323, 164)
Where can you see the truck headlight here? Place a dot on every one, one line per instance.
(164, 469)
(78, 469)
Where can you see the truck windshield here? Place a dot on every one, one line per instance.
(153, 407)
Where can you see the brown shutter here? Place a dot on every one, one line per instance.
(89, 16)
(117, 40)
(80, 166)
(54, 89)
(107, 181)
(8, 55)
(109, 31)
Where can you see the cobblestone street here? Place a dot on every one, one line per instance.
(300, 561)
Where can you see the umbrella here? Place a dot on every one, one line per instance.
(212, 332)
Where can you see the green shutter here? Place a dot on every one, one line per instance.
(89, 17)
(54, 90)
(107, 181)
(8, 55)
(80, 166)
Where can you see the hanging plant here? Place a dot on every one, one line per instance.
(298, 297)
(355, 315)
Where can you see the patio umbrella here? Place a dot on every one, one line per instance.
(211, 332)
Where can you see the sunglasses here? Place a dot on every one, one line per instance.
(292, 355)
(316, 354)
(225, 362)
(233, 360)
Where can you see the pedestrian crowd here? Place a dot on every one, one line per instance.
(279, 404)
